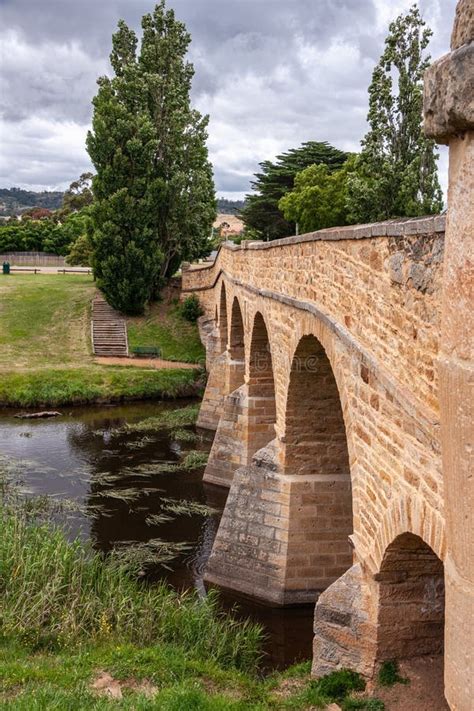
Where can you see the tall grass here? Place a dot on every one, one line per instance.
(56, 593)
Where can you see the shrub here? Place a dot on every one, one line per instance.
(339, 684)
(191, 309)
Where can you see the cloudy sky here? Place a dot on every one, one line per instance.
(271, 74)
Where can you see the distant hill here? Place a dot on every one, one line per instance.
(229, 207)
(14, 201)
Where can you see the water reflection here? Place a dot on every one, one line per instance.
(88, 456)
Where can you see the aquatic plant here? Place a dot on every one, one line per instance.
(183, 507)
(169, 419)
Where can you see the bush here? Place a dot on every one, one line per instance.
(80, 252)
(191, 309)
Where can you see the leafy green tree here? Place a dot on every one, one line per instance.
(81, 252)
(261, 213)
(154, 201)
(396, 172)
(43, 235)
(67, 232)
(79, 194)
(26, 235)
(319, 197)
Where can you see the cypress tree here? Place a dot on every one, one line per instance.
(154, 200)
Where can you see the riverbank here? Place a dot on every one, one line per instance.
(80, 632)
(45, 349)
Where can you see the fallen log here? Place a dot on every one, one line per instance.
(37, 415)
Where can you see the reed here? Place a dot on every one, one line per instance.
(56, 593)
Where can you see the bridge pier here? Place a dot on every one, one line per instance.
(245, 425)
(214, 394)
(270, 544)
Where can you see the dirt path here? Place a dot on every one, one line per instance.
(156, 363)
(423, 693)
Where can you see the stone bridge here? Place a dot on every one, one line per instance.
(338, 389)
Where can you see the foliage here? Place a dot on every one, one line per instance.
(339, 684)
(396, 171)
(319, 197)
(43, 235)
(389, 674)
(153, 193)
(261, 213)
(80, 252)
(191, 308)
(56, 593)
(37, 213)
(79, 194)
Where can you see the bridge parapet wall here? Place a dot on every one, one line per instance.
(379, 284)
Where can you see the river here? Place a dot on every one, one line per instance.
(117, 480)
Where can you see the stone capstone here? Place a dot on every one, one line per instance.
(463, 30)
(449, 95)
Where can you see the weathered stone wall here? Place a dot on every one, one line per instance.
(379, 283)
(449, 118)
(370, 296)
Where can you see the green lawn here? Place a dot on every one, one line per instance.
(45, 347)
(163, 326)
(45, 320)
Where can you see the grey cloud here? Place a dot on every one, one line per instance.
(271, 73)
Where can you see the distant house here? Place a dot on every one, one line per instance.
(228, 225)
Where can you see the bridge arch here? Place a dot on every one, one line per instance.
(315, 431)
(315, 449)
(261, 387)
(411, 600)
(222, 323)
(236, 347)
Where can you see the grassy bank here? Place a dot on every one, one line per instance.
(74, 386)
(79, 632)
(45, 349)
(163, 326)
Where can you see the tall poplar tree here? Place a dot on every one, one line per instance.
(396, 170)
(154, 199)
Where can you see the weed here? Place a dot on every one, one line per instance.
(170, 419)
(182, 507)
(353, 704)
(389, 674)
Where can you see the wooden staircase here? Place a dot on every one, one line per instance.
(109, 330)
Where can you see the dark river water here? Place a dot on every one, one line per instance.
(113, 479)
